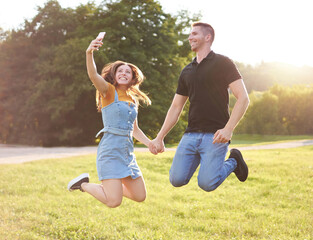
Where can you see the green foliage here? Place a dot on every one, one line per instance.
(274, 203)
(46, 96)
(265, 114)
(47, 99)
(280, 110)
(3, 34)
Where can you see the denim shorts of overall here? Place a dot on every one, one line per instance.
(115, 154)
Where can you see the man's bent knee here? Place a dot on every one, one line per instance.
(178, 182)
(207, 186)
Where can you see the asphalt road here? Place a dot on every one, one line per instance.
(14, 154)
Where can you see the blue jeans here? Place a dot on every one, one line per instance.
(198, 148)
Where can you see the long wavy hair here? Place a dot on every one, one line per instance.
(108, 73)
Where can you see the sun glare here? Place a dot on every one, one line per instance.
(246, 31)
(260, 30)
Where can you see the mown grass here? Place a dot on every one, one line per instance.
(275, 202)
(255, 139)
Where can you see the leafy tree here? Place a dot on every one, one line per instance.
(46, 97)
(280, 110)
(141, 33)
(262, 116)
(3, 35)
(295, 108)
(16, 55)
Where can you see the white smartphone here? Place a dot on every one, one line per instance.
(101, 35)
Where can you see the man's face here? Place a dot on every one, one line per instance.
(196, 38)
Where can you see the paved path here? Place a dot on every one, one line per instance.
(13, 154)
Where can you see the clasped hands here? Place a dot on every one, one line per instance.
(221, 136)
(156, 146)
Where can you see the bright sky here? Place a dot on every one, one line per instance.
(248, 31)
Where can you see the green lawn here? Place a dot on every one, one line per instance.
(275, 202)
(248, 139)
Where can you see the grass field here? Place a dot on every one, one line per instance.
(248, 139)
(275, 202)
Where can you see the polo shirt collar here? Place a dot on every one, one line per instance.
(208, 57)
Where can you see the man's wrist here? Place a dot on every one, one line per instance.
(160, 137)
(229, 128)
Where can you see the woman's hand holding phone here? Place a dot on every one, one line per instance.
(96, 43)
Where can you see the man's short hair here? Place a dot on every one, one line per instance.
(207, 27)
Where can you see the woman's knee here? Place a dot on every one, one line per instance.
(114, 202)
(141, 197)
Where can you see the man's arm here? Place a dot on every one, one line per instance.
(239, 90)
(170, 121)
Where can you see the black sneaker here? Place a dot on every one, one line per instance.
(77, 182)
(241, 170)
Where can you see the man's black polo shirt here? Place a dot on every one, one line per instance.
(206, 84)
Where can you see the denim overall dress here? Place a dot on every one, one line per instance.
(115, 154)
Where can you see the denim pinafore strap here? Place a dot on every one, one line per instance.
(118, 117)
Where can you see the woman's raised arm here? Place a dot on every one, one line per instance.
(100, 84)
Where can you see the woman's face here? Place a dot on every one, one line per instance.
(123, 75)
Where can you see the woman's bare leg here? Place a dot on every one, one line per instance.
(134, 189)
(110, 192)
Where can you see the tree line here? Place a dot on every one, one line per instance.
(281, 110)
(46, 97)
